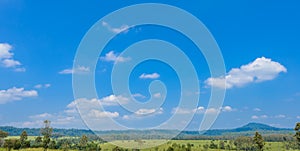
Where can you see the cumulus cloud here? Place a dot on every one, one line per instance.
(111, 100)
(7, 60)
(148, 111)
(227, 109)
(76, 70)
(113, 57)
(149, 76)
(101, 114)
(261, 69)
(16, 94)
(123, 28)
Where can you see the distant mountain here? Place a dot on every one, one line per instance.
(248, 129)
(257, 126)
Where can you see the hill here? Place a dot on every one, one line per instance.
(248, 129)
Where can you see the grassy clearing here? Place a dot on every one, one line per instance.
(197, 145)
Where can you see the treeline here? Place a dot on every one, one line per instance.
(13, 131)
(47, 140)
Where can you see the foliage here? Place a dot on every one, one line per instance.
(83, 142)
(46, 132)
(244, 143)
(12, 144)
(297, 135)
(23, 140)
(259, 141)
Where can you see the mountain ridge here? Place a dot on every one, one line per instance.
(248, 128)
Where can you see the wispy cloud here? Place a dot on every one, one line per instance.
(149, 76)
(113, 57)
(7, 60)
(138, 95)
(257, 109)
(16, 94)
(123, 28)
(261, 69)
(255, 117)
(202, 110)
(76, 70)
(40, 86)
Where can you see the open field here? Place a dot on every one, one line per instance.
(196, 145)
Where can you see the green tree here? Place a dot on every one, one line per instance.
(46, 132)
(83, 142)
(12, 144)
(2, 136)
(297, 135)
(259, 141)
(221, 144)
(23, 139)
(243, 143)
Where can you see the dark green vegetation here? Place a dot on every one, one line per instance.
(261, 139)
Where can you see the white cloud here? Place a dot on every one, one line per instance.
(142, 112)
(212, 111)
(111, 100)
(41, 116)
(126, 117)
(7, 60)
(39, 86)
(298, 117)
(113, 57)
(257, 109)
(157, 95)
(180, 111)
(16, 94)
(20, 69)
(123, 28)
(138, 95)
(264, 116)
(101, 114)
(227, 109)
(77, 70)
(10, 63)
(201, 110)
(149, 76)
(280, 116)
(259, 117)
(261, 69)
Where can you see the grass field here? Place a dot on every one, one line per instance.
(197, 145)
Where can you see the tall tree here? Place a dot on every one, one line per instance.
(23, 139)
(2, 136)
(83, 142)
(259, 141)
(46, 132)
(297, 135)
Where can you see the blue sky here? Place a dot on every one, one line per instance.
(258, 40)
